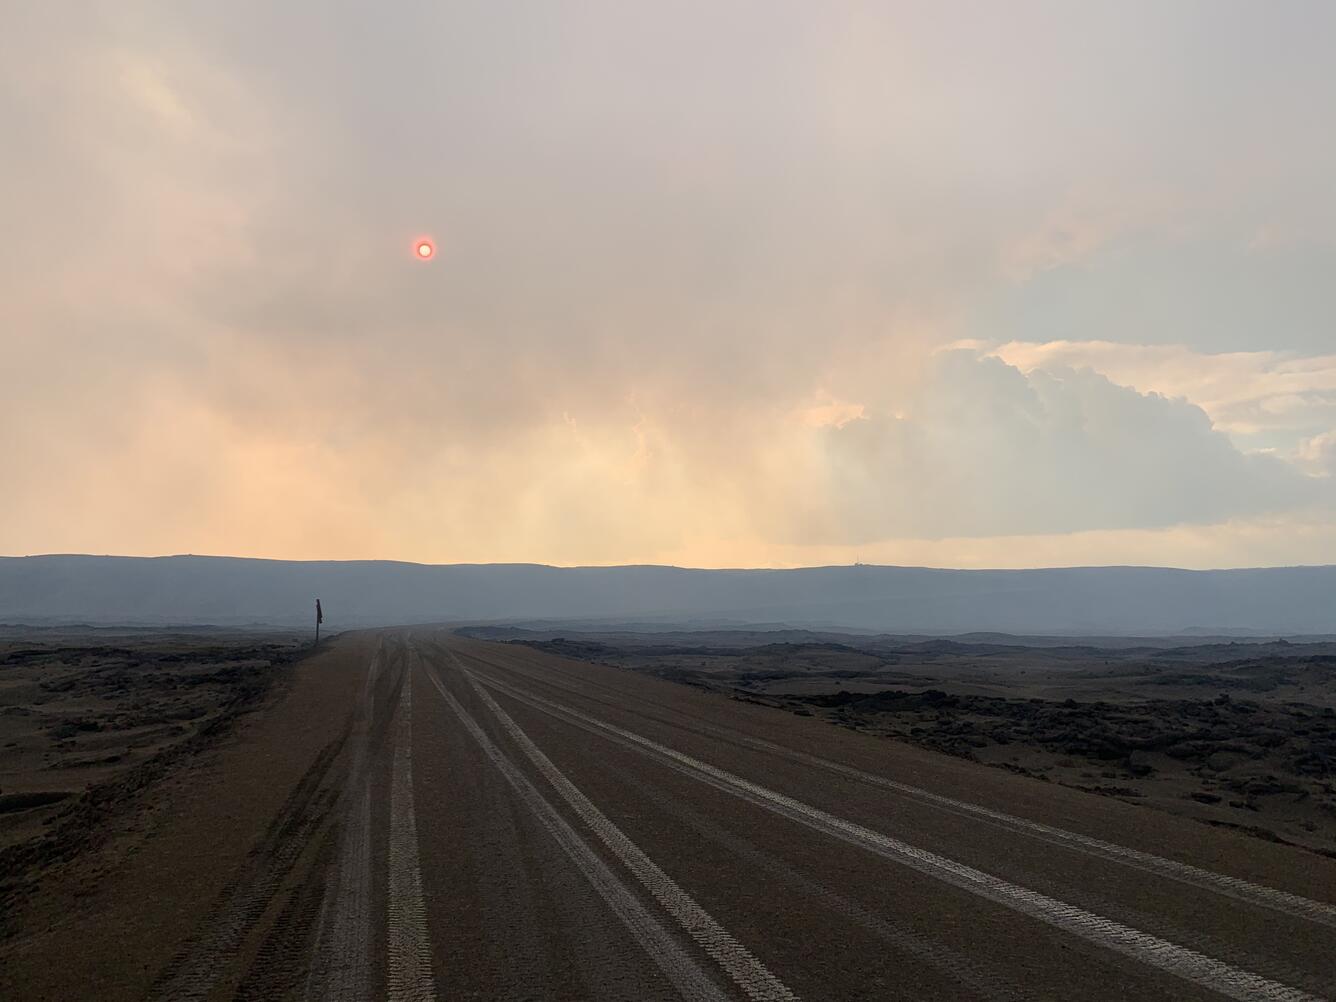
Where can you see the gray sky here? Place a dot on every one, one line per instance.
(716, 283)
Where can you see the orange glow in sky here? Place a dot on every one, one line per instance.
(424, 249)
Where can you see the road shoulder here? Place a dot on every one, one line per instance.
(104, 925)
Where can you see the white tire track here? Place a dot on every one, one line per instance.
(679, 967)
(1161, 954)
(409, 975)
(341, 968)
(1237, 888)
(1231, 887)
(974, 977)
(738, 963)
(342, 972)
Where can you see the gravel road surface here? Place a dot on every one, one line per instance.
(494, 822)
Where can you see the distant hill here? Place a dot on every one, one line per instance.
(1069, 601)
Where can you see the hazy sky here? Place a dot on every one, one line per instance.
(1001, 284)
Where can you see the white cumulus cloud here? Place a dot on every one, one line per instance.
(985, 448)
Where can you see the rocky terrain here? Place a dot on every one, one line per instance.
(91, 718)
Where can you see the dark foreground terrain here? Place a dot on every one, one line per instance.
(412, 814)
(1239, 735)
(90, 719)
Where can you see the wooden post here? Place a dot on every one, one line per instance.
(319, 618)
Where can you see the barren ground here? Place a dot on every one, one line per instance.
(91, 719)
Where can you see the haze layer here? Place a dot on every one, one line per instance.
(715, 284)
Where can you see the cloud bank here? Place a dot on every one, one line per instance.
(986, 450)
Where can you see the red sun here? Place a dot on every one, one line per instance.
(424, 249)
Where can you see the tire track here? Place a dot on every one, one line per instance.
(1161, 954)
(738, 963)
(282, 957)
(409, 977)
(977, 978)
(201, 964)
(680, 968)
(1219, 883)
(341, 967)
(1237, 888)
(534, 928)
(341, 964)
(982, 979)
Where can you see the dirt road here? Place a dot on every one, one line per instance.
(491, 821)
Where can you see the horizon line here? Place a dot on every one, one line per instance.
(676, 567)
